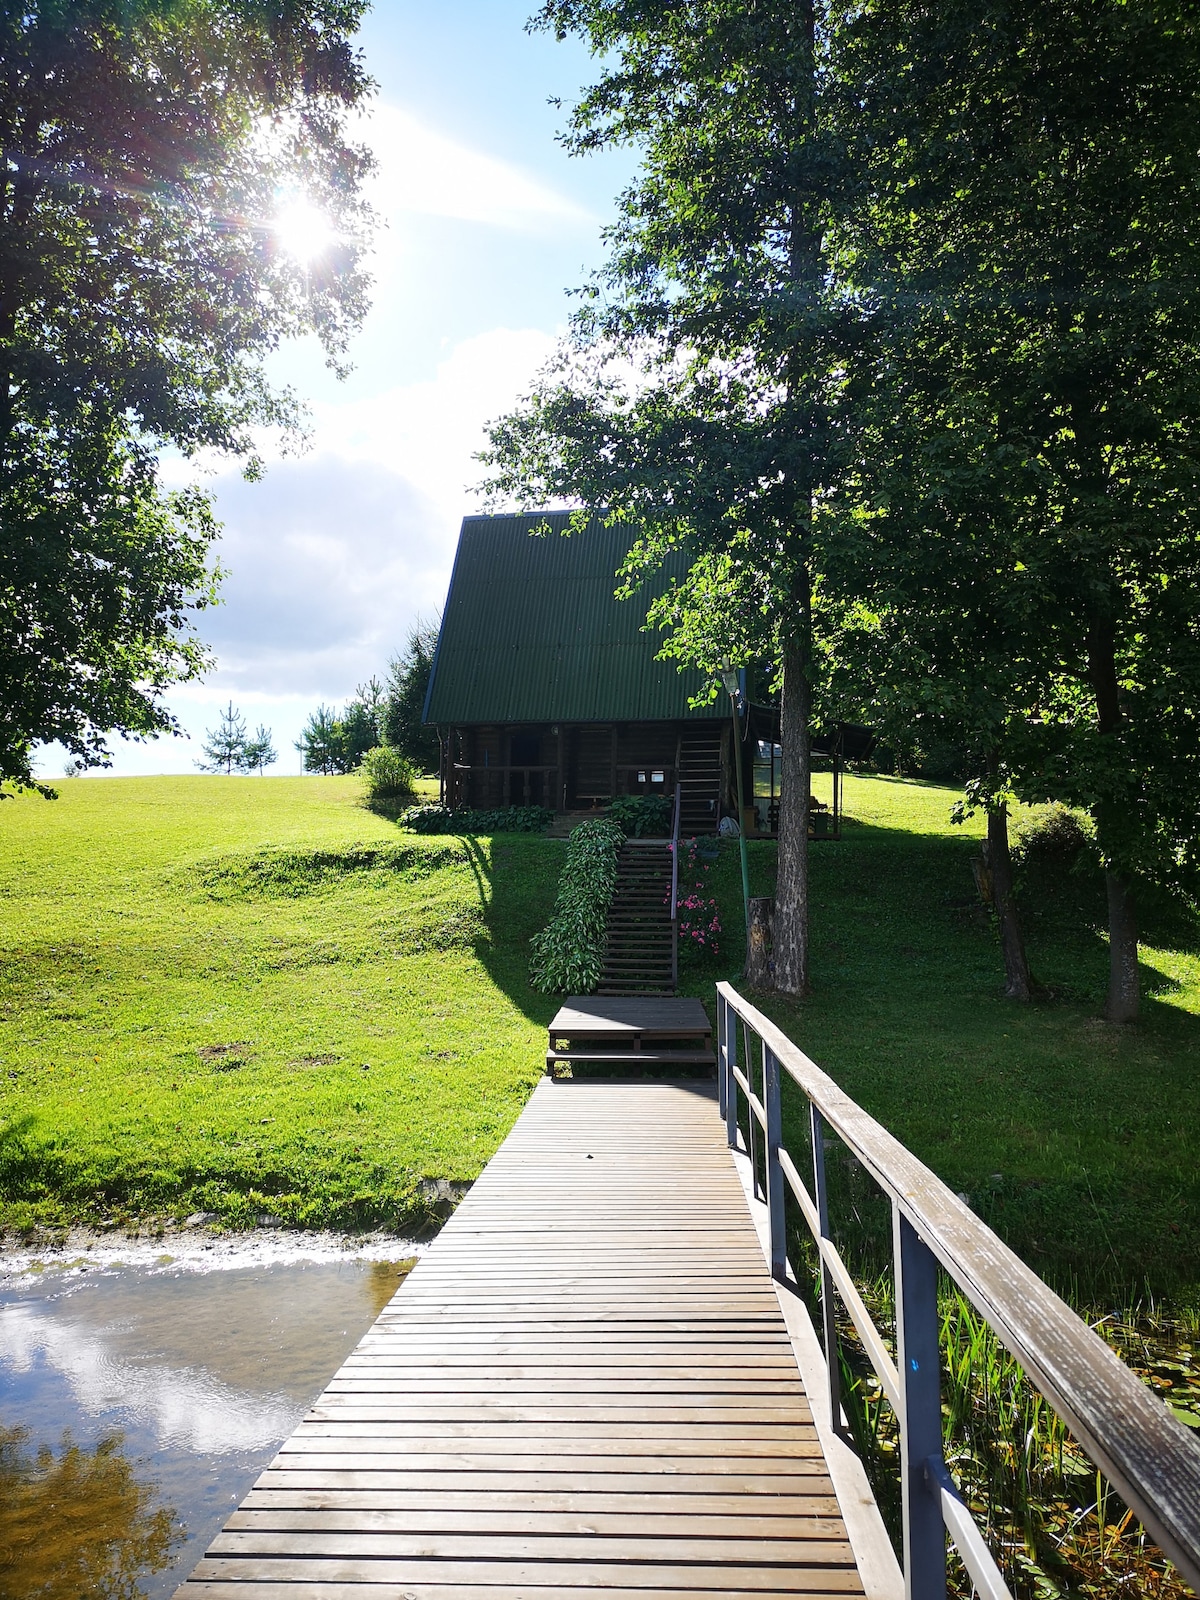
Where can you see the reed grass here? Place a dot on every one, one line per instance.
(1054, 1524)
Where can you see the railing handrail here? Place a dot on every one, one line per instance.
(1148, 1455)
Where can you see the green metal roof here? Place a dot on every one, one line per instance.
(533, 632)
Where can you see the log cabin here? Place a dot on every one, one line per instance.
(546, 689)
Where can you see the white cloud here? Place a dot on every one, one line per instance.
(186, 1408)
(330, 558)
(430, 430)
(423, 171)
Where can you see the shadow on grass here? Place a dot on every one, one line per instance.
(517, 878)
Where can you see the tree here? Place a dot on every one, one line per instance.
(320, 743)
(148, 147)
(357, 732)
(716, 299)
(260, 751)
(1032, 275)
(225, 745)
(332, 743)
(404, 701)
(935, 644)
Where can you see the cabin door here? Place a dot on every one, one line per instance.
(591, 766)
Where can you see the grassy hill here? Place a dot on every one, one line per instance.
(255, 997)
(252, 996)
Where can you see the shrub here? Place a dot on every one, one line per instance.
(695, 906)
(508, 819)
(569, 952)
(1054, 838)
(387, 772)
(641, 815)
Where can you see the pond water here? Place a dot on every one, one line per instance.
(138, 1402)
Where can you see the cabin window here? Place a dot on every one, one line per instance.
(767, 760)
(524, 750)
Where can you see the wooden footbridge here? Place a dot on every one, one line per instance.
(598, 1377)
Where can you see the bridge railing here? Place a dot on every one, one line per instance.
(1149, 1457)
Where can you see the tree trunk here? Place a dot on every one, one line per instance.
(760, 943)
(1122, 950)
(795, 775)
(1017, 984)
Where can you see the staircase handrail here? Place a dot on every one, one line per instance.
(675, 853)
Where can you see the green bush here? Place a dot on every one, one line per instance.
(387, 772)
(1053, 838)
(642, 815)
(508, 819)
(569, 952)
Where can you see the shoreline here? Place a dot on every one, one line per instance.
(198, 1247)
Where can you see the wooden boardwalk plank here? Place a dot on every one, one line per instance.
(585, 1384)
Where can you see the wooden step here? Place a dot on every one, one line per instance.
(633, 1058)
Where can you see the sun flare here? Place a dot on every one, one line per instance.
(303, 231)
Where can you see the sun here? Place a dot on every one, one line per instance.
(301, 230)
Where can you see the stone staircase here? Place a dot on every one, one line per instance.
(640, 955)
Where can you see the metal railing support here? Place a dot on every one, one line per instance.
(773, 1105)
(752, 1126)
(731, 1102)
(722, 1067)
(816, 1124)
(919, 1365)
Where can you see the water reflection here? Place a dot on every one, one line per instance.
(77, 1522)
(137, 1407)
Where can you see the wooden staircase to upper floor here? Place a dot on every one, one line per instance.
(640, 955)
(699, 780)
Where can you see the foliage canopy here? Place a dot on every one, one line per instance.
(148, 148)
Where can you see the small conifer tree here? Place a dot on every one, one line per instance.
(225, 745)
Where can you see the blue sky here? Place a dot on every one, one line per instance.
(487, 226)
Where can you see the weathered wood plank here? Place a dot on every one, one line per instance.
(564, 1511)
(648, 1480)
(482, 1574)
(372, 1588)
(360, 1544)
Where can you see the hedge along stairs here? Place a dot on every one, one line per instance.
(639, 953)
(568, 955)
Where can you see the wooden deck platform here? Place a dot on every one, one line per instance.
(587, 1383)
(631, 1031)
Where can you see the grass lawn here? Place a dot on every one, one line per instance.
(1079, 1143)
(254, 996)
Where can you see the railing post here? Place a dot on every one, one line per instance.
(816, 1123)
(773, 1106)
(917, 1359)
(722, 1057)
(731, 1088)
